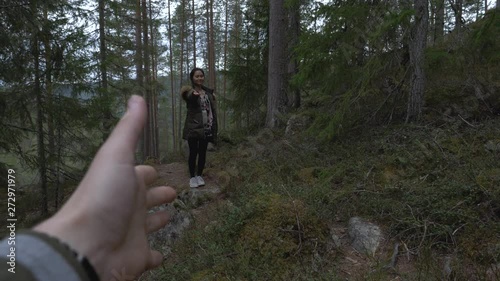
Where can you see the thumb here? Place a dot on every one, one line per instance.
(121, 144)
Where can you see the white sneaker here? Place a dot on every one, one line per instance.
(200, 181)
(193, 182)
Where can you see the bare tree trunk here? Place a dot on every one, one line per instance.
(294, 33)
(439, 21)
(103, 87)
(147, 85)
(224, 89)
(276, 96)
(194, 34)
(49, 101)
(211, 48)
(456, 6)
(42, 169)
(172, 91)
(139, 62)
(181, 70)
(417, 48)
(154, 92)
(149, 129)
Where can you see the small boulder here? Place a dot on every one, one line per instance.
(365, 236)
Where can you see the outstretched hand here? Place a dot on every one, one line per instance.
(106, 218)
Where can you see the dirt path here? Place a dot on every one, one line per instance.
(176, 175)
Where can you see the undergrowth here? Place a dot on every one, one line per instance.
(434, 189)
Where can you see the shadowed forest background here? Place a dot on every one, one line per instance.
(397, 105)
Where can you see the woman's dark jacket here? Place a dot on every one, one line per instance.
(193, 126)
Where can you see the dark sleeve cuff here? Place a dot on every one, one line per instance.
(45, 257)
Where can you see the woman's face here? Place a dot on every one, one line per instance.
(198, 78)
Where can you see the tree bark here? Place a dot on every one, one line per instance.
(194, 33)
(154, 78)
(226, 46)
(276, 96)
(149, 131)
(172, 91)
(103, 87)
(456, 6)
(49, 101)
(211, 44)
(294, 33)
(139, 62)
(439, 21)
(417, 48)
(42, 169)
(181, 70)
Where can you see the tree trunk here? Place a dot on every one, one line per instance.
(226, 46)
(211, 45)
(106, 111)
(194, 33)
(276, 96)
(439, 21)
(417, 48)
(50, 158)
(181, 70)
(42, 169)
(139, 63)
(172, 91)
(456, 6)
(154, 78)
(294, 33)
(149, 131)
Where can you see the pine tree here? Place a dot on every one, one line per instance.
(417, 48)
(276, 95)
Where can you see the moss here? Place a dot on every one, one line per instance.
(280, 235)
(489, 179)
(309, 175)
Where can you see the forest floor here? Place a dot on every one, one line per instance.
(431, 189)
(352, 266)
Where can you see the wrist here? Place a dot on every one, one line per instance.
(69, 235)
(58, 257)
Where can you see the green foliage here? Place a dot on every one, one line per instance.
(355, 68)
(461, 80)
(247, 68)
(352, 65)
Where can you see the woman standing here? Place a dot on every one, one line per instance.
(200, 126)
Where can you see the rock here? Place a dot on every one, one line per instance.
(365, 236)
(164, 238)
(196, 197)
(199, 196)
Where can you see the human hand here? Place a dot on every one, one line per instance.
(106, 218)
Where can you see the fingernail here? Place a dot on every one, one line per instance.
(133, 102)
